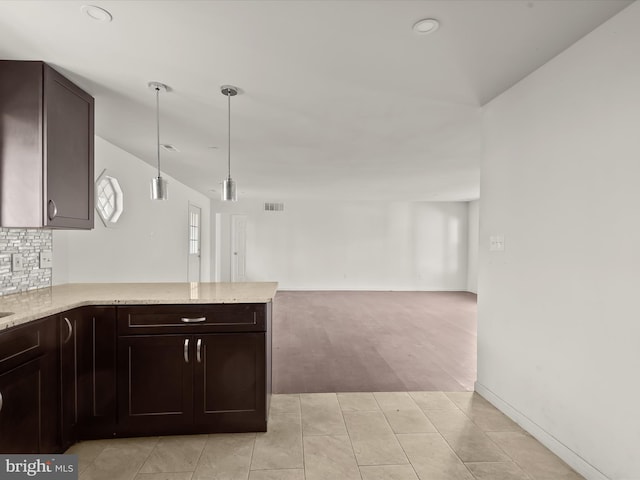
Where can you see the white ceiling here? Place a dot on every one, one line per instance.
(340, 99)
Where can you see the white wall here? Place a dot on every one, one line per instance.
(558, 328)
(327, 245)
(473, 243)
(149, 242)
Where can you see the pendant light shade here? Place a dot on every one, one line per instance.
(158, 184)
(159, 188)
(229, 192)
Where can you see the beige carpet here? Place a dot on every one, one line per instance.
(353, 341)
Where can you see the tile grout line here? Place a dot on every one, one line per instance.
(396, 435)
(458, 456)
(304, 463)
(391, 429)
(513, 460)
(253, 448)
(445, 439)
(349, 437)
(146, 458)
(200, 457)
(91, 463)
(297, 414)
(483, 432)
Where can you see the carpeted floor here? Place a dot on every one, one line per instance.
(355, 341)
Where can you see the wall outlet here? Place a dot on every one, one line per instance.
(17, 264)
(496, 243)
(46, 259)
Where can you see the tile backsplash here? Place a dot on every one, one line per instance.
(28, 243)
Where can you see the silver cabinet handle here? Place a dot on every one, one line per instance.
(186, 350)
(194, 320)
(53, 210)
(198, 348)
(70, 330)
(1, 401)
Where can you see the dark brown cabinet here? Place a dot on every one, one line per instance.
(155, 384)
(99, 372)
(97, 405)
(69, 323)
(230, 381)
(46, 148)
(28, 388)
(87, 374)
(181, 376)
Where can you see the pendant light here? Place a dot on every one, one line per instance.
(158, 184)
(229, 193)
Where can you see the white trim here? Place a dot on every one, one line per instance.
(571, 458)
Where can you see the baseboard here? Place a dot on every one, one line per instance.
(570, 457)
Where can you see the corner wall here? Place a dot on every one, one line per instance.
(558, 328)
(473, 244)
(149, 242)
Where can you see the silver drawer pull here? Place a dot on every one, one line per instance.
(1, 401)
(198, 348)
(186, 350)
(194, 320)
(70, 330)
(52, 209)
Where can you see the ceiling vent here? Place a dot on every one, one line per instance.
(169, 148)
(273, 207)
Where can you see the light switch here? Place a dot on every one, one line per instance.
(496, 243)
(17, 264)
(46, 259)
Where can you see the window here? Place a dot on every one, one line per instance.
(194, 233)
(109, 199)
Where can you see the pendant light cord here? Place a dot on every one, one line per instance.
(158, 126)
(229, 133)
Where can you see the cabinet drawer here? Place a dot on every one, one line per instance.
(237, 317)
(26, 342)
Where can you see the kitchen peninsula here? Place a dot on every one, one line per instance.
(82, 361)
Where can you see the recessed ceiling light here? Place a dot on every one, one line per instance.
(96, 13)
(426, 25)
(169, 148)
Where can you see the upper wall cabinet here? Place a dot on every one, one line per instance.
(46, 149)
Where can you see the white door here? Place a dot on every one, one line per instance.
(238, 248)
(193, 269)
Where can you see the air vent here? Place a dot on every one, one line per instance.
(273, 207)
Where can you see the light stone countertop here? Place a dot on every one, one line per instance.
(28, 306)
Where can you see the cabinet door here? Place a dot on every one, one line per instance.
(68, 153)
(68, 324)
(96, 372)
(230, 383)
(155, 384)
(21, 144)
(28, 408)
(87, 373)
(29, 388)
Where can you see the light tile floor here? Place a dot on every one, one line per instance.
(344, 436)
